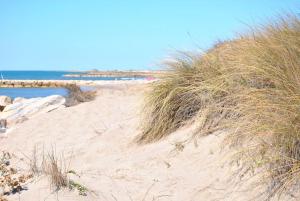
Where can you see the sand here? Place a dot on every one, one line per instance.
(97, 141)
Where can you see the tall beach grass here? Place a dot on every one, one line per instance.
(250, 86)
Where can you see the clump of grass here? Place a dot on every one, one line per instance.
(57, 171)
(251, 87)
(171, 101)
(193, 84)
(77, 96)
(33, 162)
(270, 111)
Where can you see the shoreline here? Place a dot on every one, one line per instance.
(120, 74)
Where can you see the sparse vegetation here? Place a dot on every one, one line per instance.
(251, 87)
(11, 179)
(33, 162)
(76, 95)
(57, 169)
(82, 190)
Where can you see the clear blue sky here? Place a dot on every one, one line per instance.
(119, 34)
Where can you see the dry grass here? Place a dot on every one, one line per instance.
(77, 96)
(268, 101)
(33, 162)
(251, 86)
(190, 86)
(55, 167)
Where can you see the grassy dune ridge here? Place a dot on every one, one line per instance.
(251, 87)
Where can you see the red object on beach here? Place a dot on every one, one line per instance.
(150, 78)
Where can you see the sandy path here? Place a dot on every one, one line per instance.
(97, 138)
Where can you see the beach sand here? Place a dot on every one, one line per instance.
(97, 142)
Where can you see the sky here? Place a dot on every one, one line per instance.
(120, 34)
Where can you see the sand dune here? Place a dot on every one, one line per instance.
(97, 139)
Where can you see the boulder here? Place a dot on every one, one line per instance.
(5, 100)
(26, 108)
(19, 99)
(1, 108)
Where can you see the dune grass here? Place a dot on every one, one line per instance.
(192, 85)
(250, 86)
(77, 96)
(268, 101)
(57, 169)
(59, 173)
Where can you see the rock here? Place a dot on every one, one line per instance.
(5, 100)
(26, 108)
(19, 99)
(1, 108)
(3, 123)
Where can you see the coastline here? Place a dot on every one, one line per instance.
(120, 74)
(16, 98)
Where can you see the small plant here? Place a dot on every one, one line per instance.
(82, 190)
(77, 96)
(33, 162)
(179, 146)
(58, 172)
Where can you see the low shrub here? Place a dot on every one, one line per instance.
(77, 96)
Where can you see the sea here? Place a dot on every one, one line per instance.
(42, 75)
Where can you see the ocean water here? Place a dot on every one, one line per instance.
(32, 92)
(38, 75)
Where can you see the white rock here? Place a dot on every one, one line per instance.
(29, 107)
(19, 99)
(5, 100)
